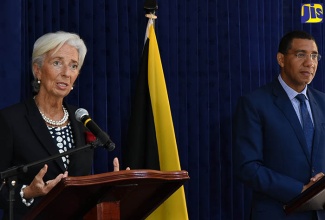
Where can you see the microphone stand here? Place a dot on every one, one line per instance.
(9, 176)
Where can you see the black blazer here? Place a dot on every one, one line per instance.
(25, 138)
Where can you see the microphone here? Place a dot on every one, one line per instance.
(83, 116)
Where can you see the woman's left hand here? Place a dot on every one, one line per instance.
(116, 165)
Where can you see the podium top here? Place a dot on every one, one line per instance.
(139, 193)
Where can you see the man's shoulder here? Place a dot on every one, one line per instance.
(316, 94)
(262, 91)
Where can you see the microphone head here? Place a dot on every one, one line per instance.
(109, 146)
(80, 113)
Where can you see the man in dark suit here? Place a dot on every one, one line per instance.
(273, 153)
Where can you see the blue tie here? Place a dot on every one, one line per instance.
(307, 124)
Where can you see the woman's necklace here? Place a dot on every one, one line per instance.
(53, 122)
(56, 123)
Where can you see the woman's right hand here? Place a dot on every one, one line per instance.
(40, 188)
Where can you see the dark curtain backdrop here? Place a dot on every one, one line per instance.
(212, 52)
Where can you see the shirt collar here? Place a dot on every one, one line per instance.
(290, 92)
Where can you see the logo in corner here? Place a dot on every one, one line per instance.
(311, 13)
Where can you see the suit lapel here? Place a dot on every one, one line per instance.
(79, 139)
(76, 129)
(285, 105)
(319, 122)
(40, 129)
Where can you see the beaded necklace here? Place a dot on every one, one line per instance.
(53, 122)
(56, 123)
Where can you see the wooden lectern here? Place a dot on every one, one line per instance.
(127, 194)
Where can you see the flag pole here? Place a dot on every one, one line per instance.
(150, 7)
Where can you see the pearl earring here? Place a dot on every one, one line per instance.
(72, 88)
(39, 81)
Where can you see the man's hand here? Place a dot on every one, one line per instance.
(313, 180)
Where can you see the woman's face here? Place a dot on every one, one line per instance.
(58, 72)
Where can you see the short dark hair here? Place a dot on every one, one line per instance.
(286, 41)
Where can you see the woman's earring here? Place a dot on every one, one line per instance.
(39, 81)
(72, 88)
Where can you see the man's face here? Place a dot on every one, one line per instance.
(299, 64)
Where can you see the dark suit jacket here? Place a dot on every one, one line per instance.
(25, 138)
(270, 151)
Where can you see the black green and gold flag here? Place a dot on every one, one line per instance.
(151, 142)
